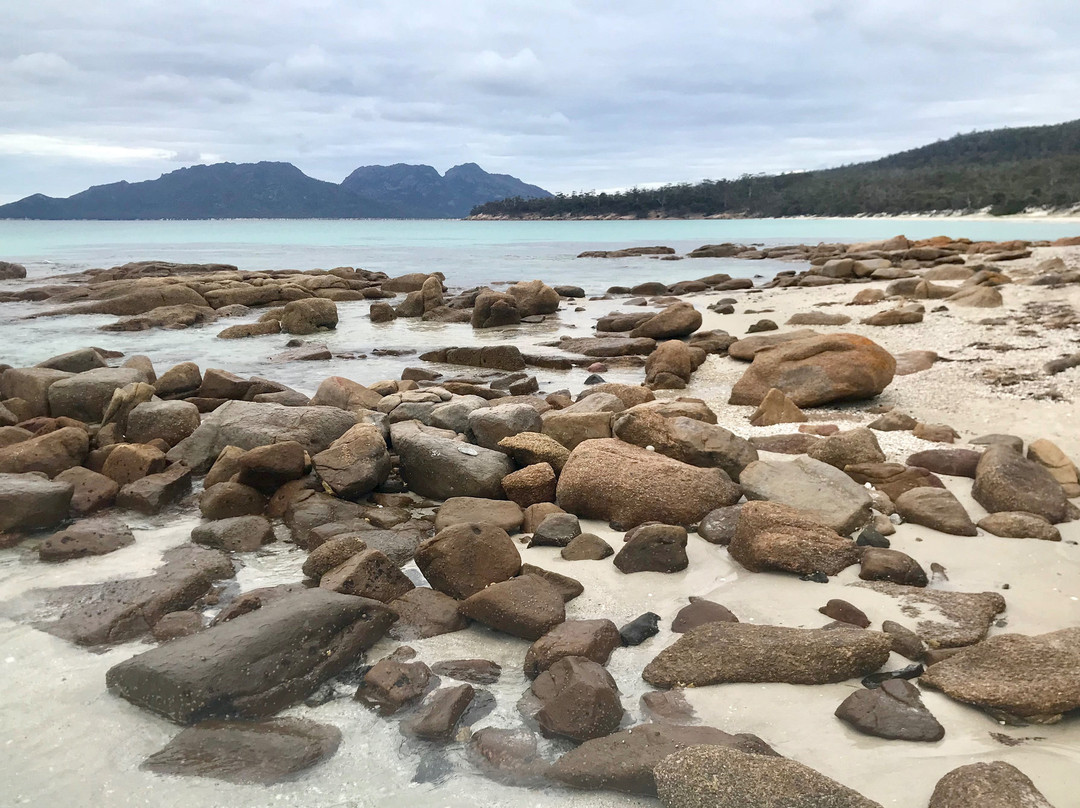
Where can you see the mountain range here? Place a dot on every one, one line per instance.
(1004, 171)
(282, 191)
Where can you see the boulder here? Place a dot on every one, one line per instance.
(615, 481)
(463, 559)
(817, 370)
(368, 574)
(489, 425)
(1061, 468)
(1029, 678)
(50, 454)
(735, 652)
(533, 297)
(128, 462)
(848, 448)
(677, 320)
(625, 761)
(32, 386)
(423, 613)
(718, 526)
(93, 491)
(438, 716)
(88, 537)
(354, 464)
(771, 536)
(776, 408)
(669, 367)
(246, 752)
(527, 607)
(247, 424)
(557, 530)
(170, 421)
(987, 785)
(935, 508)
(1007, 481)
(953, 462)
(809, 485)
(530, 485)
(894, 479)
(226, 500)
(530, 448)
(580, 700)
(309, 315)
(156, 491)
(894, 711)
(75, 361)
(716, 777)
(467, 510)
(1017, 525)
(746, 348)
(494, 309)
(587, 547)
(331, 553)
(11, 271)
(84, 396)
(29, 502)
(685, 439)
(572, 428)
(393, 682)
(882, 564)
(208, 674)
(238, 534)
(653, 548)
(699, 612)
(345, 394)
(264, 468)
(179, 379)
(591, 639)
(441, 468)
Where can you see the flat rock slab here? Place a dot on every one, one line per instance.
(262, 752)
(716, 653)
(952, 619)
(256, 664)
(824, 492)
(89, 537)
(894, 711)
(715, 777)
(1033, 678)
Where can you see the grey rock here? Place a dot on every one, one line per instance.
(441, 468)
(812, 486)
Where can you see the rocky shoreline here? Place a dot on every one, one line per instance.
(855, 513)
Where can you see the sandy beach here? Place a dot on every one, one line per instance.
(988, 378)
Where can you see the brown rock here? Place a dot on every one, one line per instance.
(470, 510)
(580, 700)
(529, 448)
(587, 547)
(698, 613)
(591, 639)
(129, 462)
(368, 574)
(392, 682)
(230, 499)
(771, 536)
(880, 564)
(987, 785)
(935, 508)
(530, 485)
(845, 612)
(439, 714)
(526, 607)
(653, 548)
(93, 491)
(848, 448)
(50, 454)
(893, 711)
(423, 613)
(1016, 525)
(953, 619)
(463, 559)
(954, 462)
(776, 408)
(89, 537)
(1061, 468)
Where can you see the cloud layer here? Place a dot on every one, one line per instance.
(568, 94)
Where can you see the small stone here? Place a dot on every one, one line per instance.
(845, 612)
(587, 547)
(891, 565)
(698, 613)
(640, 629)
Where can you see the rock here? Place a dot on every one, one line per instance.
(467, 510)
(441, 468)
(49, 454)
(1007, 481)
(263, 753)
(177, 624)
(29, 502)
(178, 380)
(117, 611)
(530, 485)
(1055, 461)
(733, 652)
(331, 553)
(170, 421)
(772, 536)
(715, 777)
(557, 530)
(153, 493)
(776, 408)
(508, 755)
(438, 716)
(393, 682)
(902, 315)
(309, 315)
(245, 330)
(614, 481)
(534, 297)
(845, 612)
(463, 559)
(893, 711)
(226, 500)
(526, 607)
(677, 320)
(32, 386)
(893, 479)
(475, 671)
(84, 396)
(580, 700)
(824, 492)
(530, 448)
(572, 428)
(128, 462)
(981, 297)
(1019, 525)
(368, 574)
(687, 440)
(911, 362)
(987, 785)
(640, 629)
(237, 534)
(264, 468)
(935, 508)
(792, 443)
(494, 309)
(879, 564)
(817, 370)
(489, 425)
(848, 448)
(77, 361)
(893, 421)
(89, 537)
(591, 639)
(952, 619)
(425, 613)
(354, 464)
(718, 526)
(653, 548)
(905, 641)
(209, 674)
(700, 612)
(867, 297)
(248, 424)
(936, 433)
(669, 366)
(954, 462)
(587, 547)
(11, 271)
(345, 394)
(93, 491)
(567, 587)
(1030, 678)
(630, 395)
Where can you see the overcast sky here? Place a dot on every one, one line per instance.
(567, 94)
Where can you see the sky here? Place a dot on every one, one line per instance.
(567, 94)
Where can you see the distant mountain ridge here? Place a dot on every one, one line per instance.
(1004, 170)
(269, 190)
